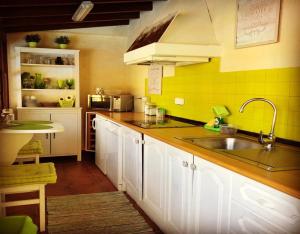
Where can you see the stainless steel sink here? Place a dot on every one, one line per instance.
(276, 159)
(223, 143)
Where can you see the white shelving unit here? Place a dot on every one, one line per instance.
(36, 60)
(39, 56)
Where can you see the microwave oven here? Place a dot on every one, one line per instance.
(100, 102)
(118, 103)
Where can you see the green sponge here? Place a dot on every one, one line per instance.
(220, 111)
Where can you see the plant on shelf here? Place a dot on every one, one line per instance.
(39, 82)
(32, 39)
(27, 80)
(62, 41)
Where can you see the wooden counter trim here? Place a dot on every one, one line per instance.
(284, 181)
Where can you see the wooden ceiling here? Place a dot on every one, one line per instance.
(39, 15)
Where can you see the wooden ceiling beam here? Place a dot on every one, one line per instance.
(11, 12)
(65, 26)
(22, 3)
(27, 21)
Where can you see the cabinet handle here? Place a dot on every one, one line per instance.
(93, 123)
(185, 163)
(53, 135)
(47, 135)
(193, 166)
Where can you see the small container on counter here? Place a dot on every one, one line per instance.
(228, 129)
(150, 108)
(160, 113)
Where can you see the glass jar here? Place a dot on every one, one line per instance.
(150, 109)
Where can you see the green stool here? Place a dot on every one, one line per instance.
(24, 179)
(31, 151)
(17, 225)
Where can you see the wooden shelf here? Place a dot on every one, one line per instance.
(52, 72)
(47, 89)
(90, 132)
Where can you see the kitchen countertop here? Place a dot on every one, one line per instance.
(285, 181)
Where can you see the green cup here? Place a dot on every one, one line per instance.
(60, 84)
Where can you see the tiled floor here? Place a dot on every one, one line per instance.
(73, 178)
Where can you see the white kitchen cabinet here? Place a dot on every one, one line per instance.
(179, 188)
(60, 144)
(262, 209)
(109, 149)
(132, 163)
(184, 193)
(42, 61)
(100, 145)
(210, 202)
(244, 221)
(114, 154)
(154, 180)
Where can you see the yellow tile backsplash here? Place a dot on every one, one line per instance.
(203, 86)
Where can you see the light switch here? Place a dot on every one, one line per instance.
(179, 101)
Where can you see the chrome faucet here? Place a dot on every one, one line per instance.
(270, 140)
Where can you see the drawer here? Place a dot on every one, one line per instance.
(267, 202)
(242, 220)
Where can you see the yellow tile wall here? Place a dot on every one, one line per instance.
(203, 86)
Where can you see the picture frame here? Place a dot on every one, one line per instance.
(257, 22)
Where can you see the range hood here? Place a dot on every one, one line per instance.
(152, 47)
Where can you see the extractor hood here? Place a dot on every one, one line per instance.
(153, 47)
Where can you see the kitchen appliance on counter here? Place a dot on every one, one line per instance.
(100, 102)
(119, 103)
(165, 123)
(123, 103)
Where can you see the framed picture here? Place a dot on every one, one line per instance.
(257, 22)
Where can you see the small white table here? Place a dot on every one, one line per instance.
(11, 141)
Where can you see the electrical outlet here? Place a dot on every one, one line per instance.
(179, 101)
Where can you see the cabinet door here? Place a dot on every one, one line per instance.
(154, 179)
(66, 142)
(278, 208)
(114, 159)
(244, 221)
(37, 115)
(179, 184)
(132, 162)
(211, 198)
(101, 143)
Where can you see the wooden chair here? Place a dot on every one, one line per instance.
(23, 179)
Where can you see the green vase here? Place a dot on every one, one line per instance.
(32, 44)
(63, 46)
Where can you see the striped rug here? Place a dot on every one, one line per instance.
(109, 212)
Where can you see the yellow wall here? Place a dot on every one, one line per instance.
(270, 71)
(194, 26)
(203, 86)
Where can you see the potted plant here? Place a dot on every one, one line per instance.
(32, 39)
(62, 41)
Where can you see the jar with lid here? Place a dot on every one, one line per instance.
(160, 113)
(150, 108)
